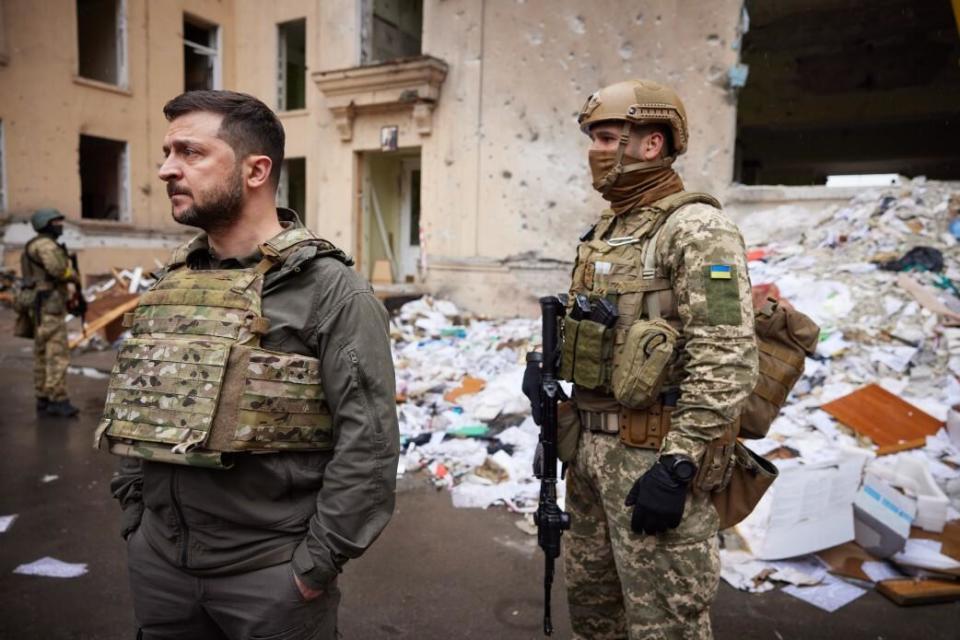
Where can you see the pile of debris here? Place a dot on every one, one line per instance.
(107, 301)
(869, 446)
(462, 415)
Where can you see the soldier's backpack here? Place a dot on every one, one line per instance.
(785, 337)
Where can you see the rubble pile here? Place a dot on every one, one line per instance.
(462, 414)
(879, 277)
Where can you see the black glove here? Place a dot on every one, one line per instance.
(532, 388)
(658, 496)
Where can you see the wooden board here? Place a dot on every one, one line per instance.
(847, 560)
(891, 423)
(114, 314)
(909, 591)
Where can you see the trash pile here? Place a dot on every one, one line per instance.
(107, 301)
(869, 446)
(462, 415)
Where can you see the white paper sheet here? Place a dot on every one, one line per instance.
(6, 522)
(830, 595)
(879, 571)
(52, 568)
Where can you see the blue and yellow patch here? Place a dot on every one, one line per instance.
(721, 272)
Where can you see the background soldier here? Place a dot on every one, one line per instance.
(658, 397)
(45, 265)
(299, 424)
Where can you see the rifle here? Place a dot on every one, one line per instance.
(550, 520)
(77, 304)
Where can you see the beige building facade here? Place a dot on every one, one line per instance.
(436, 141)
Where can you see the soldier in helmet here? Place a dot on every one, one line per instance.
(45, 265)
(662, 354)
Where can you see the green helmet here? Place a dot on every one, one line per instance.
(42, 217)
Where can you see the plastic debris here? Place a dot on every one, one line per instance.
(6, 522)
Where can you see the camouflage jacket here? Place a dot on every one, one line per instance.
(717, 364)
(314, 509)
(46, 264)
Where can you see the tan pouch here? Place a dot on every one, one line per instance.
(717, 462)
(568, 431)
(645, 429)
(751, 475)
(642, 366)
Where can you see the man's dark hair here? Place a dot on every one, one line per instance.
(249, 126)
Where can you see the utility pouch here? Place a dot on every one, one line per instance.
(645, 429)
(568, 431)
(23, 326)
(642, 366)
(718, 462)
(584, 355)
(750, 477)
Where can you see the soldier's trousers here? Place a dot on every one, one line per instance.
(265, 603)
(51, 357)
(624, 585)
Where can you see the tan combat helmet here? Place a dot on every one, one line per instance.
(637, 102)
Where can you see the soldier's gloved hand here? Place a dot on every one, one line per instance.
(532, 388)
(658, 496)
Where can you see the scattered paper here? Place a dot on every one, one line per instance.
(880, 571)
(830, 595)
(925, 554)
(6, 522)
(52, 568)
(49, 478)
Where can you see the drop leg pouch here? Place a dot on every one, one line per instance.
(751, 476)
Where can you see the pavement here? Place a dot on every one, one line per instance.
(436, 572)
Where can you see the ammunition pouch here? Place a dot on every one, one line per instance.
(587, 347)
(749, 478)
(640, 370)
(568, 431)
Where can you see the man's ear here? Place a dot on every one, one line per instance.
(652, 145)
(257, 171)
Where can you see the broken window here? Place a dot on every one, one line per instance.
(292, 191)
(101, 40)
(848, 88)
(292, 65)
(103, 178)
(201, 58)
(391, 29)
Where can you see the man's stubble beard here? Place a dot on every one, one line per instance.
(218, 209)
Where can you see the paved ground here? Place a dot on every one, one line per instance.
(437, 572)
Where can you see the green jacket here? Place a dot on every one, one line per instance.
(316, 509)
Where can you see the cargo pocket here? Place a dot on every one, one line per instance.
(640, 371)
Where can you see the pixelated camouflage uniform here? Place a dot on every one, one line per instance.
(47, 264)
(622, 584)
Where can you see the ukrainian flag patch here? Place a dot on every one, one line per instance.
(720, 272)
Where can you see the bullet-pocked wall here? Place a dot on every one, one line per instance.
(502, 225)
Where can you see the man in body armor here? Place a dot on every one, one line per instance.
(659, 342)
(254, 404)
(49, 275)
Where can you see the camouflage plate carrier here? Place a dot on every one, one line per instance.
(193, 383)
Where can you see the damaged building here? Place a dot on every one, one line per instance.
(436, 141)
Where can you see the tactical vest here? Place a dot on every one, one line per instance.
(193, 382)
(624, 271)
